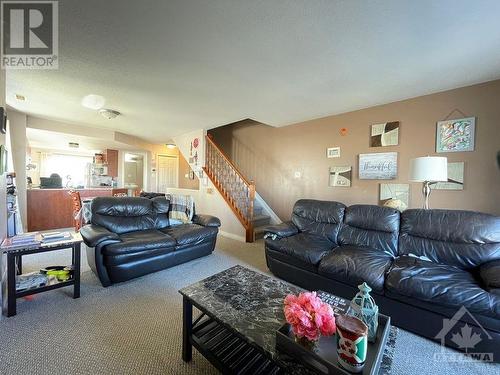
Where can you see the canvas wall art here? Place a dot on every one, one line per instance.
(378, 166)
(386, 134)
(340, 176)
(333, 152)
(455, 135)
(395, 191)
(455, 177)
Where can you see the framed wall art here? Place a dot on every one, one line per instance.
(455, 177)
(333, 152)
(340, 176)
(455, 135)
(395, 191)
(378, 166)
(386, 134)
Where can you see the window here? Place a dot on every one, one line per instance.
(73, 169)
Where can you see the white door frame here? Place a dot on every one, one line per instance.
(158, 170)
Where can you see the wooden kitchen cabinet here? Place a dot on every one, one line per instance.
(111, 159)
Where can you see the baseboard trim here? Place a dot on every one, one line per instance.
(232, 236)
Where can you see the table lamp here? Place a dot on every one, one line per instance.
(429, 170)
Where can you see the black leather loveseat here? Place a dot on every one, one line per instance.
(130, 237)
(423, 265)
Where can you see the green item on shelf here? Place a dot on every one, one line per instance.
(61, 275)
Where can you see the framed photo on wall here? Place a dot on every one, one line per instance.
(333, 152)
(386, 134)
(340, 176)
(455, 135)
(378, 166)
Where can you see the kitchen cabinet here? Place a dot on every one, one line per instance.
(111, 159)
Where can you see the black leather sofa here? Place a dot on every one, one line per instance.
(131, 236)
(423, 265)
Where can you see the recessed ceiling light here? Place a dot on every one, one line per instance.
(20, 97)
(93, 101)
(109, 113)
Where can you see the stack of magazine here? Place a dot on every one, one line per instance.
(21, 241)
(55, 236)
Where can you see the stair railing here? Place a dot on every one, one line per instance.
(237, 191)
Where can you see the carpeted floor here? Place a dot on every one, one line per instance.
(135, 327)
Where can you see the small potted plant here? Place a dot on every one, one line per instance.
(309, 317)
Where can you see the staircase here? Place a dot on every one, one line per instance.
(237, 191)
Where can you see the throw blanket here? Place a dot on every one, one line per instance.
(181, 207)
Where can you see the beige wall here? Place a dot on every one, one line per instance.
(184, 169)
(271, 156)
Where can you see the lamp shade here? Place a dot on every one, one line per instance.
(429, 168)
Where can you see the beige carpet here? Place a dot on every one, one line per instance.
(135, 327)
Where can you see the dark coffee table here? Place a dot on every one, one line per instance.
(241, 310)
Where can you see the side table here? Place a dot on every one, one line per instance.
(12, 266)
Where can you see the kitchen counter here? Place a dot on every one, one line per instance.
(52, 208)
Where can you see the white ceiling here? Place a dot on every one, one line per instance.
(58, 141)
(174, 66)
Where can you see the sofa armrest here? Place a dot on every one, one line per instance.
(93, 235)
(285, 229)
(490, 274)
(206, 220)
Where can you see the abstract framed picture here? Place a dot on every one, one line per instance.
(455, 177)
(455, 135)
(386, 134)
(340, 176)
(395, 191)
(333, 152)
(378, 166)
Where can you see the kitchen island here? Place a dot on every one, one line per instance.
(52, 208)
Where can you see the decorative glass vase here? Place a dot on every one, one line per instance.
(364, 308)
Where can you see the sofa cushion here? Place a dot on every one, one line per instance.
(307, 248)
(373, 226)
(354, 265)
(190, 233)
(320, 218)
(464, 239)
(123, 214)
(440, 284)
(140, 242)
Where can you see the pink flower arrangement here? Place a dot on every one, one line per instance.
(309, 316)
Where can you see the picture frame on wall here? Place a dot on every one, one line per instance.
(386, 134)
(400, 192)
(455, 177)
(333, 152)
(340, 176)
(456, 135)
(378, 166)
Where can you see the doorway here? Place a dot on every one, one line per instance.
(133, 168)
(168, 172)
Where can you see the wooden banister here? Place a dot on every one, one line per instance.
(235, 188)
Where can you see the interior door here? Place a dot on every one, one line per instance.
(168, 172)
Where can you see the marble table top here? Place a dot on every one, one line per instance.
(249, 302)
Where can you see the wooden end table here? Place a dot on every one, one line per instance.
(12, 266)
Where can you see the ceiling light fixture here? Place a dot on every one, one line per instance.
(170, 145)
(73, 144)
(93, 101)
(109, 113)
